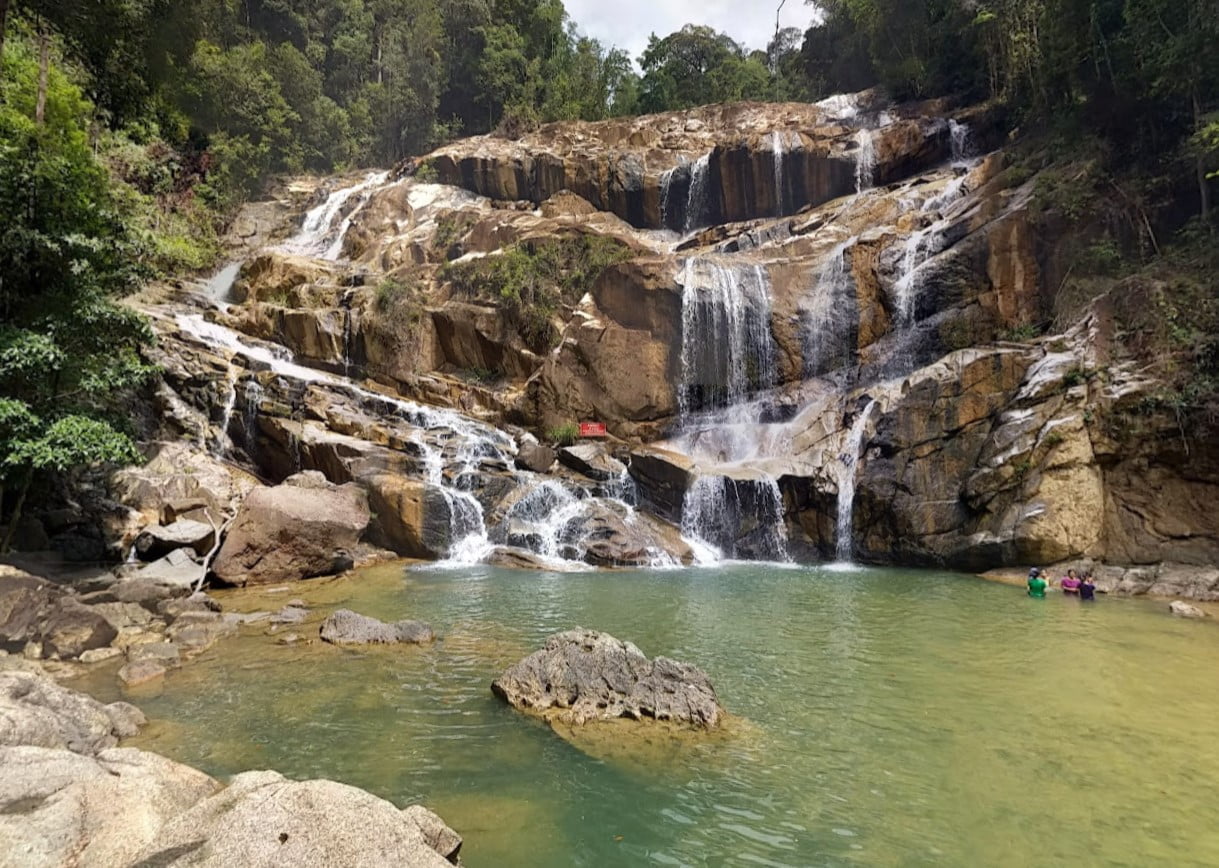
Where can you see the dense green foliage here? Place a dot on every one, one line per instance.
(70, 243)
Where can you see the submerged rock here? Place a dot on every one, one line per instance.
(346, 627)
(299, 530)
(583, 675)
(1185, 610)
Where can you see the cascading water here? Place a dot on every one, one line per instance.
(223, 441)
(547, 521)
(776, 147)
(727, 349)
(696, 200)
(468, 541)
(318, 236)
(865, 160)
(962, 145)
(219, 286)
(829, 312)
(848, 476)
(723, 517)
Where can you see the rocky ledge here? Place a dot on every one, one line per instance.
(69, 797)
(582, 676)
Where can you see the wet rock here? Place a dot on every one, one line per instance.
(663, 479)
(73, 629)
(261, 818)
(290, 615)
(141, 672)
(36, 711)
(435, 831)
(195, 632)
(536, 457)
(59, 808)
(301, 529)
(345, 627)
(1185, 610)
(25, 601)
(199, 602)
(584, 675)
(592, 460)
(515, 559)
(100, 655)
(164, 653)
(414, 519)
(157, 541)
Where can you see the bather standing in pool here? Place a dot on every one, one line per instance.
(1071, 583)
(1087, 587)
(1037, 584)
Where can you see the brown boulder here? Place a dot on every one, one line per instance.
(301, 529)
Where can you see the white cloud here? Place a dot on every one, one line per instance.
(627, 23)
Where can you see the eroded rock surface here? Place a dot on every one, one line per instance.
(301, 529)
(345, 627)
(582, 676)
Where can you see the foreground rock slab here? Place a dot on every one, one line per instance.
(1185, 610)
(346, 627)
(263, 819)
(36, 711)
(583, 676)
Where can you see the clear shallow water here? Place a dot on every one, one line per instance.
(890, 718)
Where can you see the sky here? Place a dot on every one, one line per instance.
(627, 23)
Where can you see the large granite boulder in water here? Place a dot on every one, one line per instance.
(301, 529)
(582, 676)
(345, 627)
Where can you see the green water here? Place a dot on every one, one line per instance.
(891, 718)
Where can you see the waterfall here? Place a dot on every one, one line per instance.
(696, 199)
(962, 142)
(318, 236)
(828, 310)
(253, 397)
(468, 541)
(776, 140)
(848, 475)
(727, 349)
(865, 160)
(218, 287)
(223, 441)
(715, 512)
(546, 521)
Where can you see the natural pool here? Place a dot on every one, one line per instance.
(893, 717)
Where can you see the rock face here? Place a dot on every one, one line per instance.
(62, 808)
(157, 541)
(261, 818)
(34, 610)
(583, 675)
(68, 797)
(346, 627)
(301, 529)
(35, 711)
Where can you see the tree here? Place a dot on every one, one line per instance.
(695, 66)
(68, 353)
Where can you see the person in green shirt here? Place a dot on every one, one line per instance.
(1037, 584)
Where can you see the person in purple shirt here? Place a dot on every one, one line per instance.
(1071, 584)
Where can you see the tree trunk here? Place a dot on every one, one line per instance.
(1204, 188)
(16, 516)
(44, 65)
